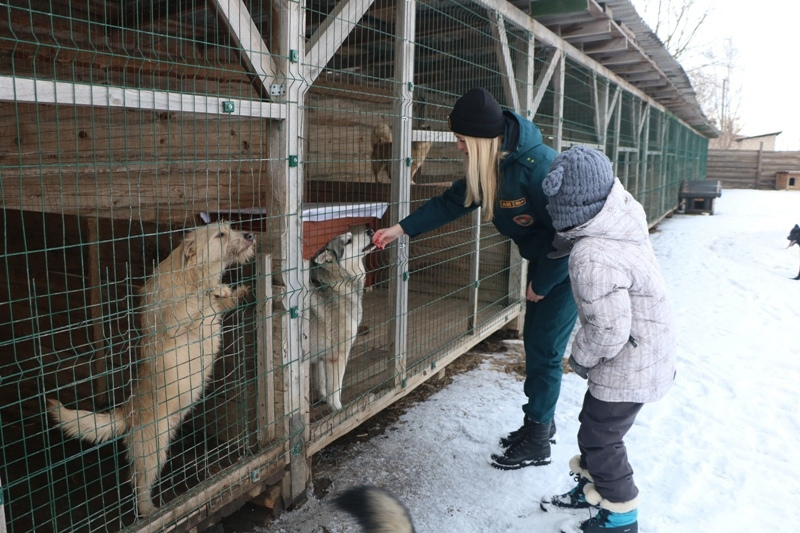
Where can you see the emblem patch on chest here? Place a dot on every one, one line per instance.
(523, 220)
(511, 204)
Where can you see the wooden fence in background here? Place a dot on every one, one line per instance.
(749, 169)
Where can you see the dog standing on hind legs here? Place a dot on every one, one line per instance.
(794, 238)
(338, 277)
(183, 304)
(382, 152)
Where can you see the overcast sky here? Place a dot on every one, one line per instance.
(766, 37)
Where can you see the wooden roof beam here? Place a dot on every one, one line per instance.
(332, 33)
(260, 64)
(661, 82)
(618, 44)
(669, 95)
(623, 58)
(597, 30)
(636, 77)
(635, 68)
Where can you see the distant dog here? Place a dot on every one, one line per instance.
(376, 510)
(382, 152)
(183, 304)
(794, 238)
(337, 274)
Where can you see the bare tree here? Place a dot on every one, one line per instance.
(676, 22)
(711, 67)
(729, 97)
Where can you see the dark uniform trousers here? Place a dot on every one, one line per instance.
(548, 326)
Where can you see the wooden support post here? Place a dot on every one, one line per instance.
(288, 174)
(558, 104)
(405, 28)
(265, 363)
(758, 166)
(474, 268)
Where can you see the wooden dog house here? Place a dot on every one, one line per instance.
(787, 180)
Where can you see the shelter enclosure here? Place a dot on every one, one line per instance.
(126, 125)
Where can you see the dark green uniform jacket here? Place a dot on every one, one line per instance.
(520, 211)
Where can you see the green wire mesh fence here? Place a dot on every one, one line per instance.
(128, 126)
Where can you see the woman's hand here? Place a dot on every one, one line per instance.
(532, 296)
(386, 236)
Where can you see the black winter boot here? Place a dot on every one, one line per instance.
(516, 435)
(797, 277)
(532, 448)
(574, 499)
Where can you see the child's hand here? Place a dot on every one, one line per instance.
(581, 370)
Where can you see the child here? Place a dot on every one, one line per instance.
(625, 344)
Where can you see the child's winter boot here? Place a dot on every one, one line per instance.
(613, 517)
(575, 498)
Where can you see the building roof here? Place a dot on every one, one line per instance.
(740, 138)
(614, 35)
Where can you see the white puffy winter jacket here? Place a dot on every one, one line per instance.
(626, 335)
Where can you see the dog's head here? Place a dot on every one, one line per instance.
(381, 134)
(218, 243)
(342, 257)
(794, 235)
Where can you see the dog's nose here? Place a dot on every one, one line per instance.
(249, 236)
(370, 232)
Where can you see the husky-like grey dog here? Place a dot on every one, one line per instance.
(376, 510)
(183, 304)
(337, 274)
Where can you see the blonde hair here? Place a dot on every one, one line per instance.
(481, 168)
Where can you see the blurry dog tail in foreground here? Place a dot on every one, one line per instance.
(376, 510)
(794, 238)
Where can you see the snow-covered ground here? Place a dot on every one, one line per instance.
(720, 453)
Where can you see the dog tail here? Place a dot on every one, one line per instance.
(87, 425)
(376, 510)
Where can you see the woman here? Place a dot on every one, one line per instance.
(506, 163)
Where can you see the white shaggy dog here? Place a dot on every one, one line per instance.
(338, 276)
(183, 304)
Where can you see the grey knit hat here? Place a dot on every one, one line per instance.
(578, 184)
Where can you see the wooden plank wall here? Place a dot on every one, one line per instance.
(68, 286)
(339, 141)
(130, 164)
(749, 169)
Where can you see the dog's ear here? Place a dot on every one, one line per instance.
(337, 249)
(189, 247)
(324, 256)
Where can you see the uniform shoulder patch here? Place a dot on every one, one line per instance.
(510, 204)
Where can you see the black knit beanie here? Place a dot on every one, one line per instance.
(578, 184)
(477, 114)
